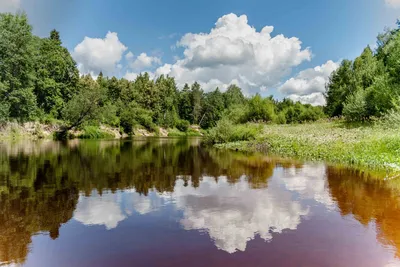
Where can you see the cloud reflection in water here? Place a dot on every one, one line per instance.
(231, 214)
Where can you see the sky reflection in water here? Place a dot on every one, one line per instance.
(160, 202)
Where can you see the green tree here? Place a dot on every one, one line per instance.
(86, 105)
(196, 99)
(168, 96)
(366, 68)
(213, 108)
(17, 73)
(57, 75)
(261, 109)
(355, 107)
(341, 84)
(184, 105)
(233, 96)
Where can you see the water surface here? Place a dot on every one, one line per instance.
(174, 202)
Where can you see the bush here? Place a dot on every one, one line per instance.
(182, 125)
(260, 109)
(355, 107)
(237, 113)
(193, 132)
(4, 112)
(134, 116)
(226, 131)
(391, 119)
(94, 132)
(175, 133)
(281, 118)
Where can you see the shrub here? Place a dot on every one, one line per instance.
(226, 131)
(175, 133)
(193, 132)
(281, 118)
(133, 116)
(391, 119)
(182, 125)
(237, 113)
(94, 132)
(355, 107)
(261, 109)
(4, 111)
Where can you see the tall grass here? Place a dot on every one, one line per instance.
(370, 146)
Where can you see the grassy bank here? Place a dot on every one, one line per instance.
(370, 146)
(37, 130)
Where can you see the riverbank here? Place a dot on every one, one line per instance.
(367, 146)
(36, 131)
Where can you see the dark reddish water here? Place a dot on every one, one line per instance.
(173, 202)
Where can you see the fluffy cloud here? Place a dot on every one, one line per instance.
(9, 5)
(235, 52)
(309, 84)
(94, 54)
(143, 61)
(129, 56)
(310, 182)
(315, 99)
(393, 3)
(99, 210)
(110, 209)
(234, 214)
(231, 214)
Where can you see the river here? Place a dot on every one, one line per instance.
(176, 202)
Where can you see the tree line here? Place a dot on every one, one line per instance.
(39, 81)
(369, 86)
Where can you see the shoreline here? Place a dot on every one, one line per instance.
(39, 131)
(371, 148)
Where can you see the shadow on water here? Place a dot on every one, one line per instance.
(232, 196)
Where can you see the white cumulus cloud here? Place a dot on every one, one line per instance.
(315, 99)
(143, 61)
(393, 3)
(99, 210)
(95, 54)
(9, 5)
(129, 56)
(308, 85)
(231, 214)
(310, 182)
(234, 214)
(235, 52)
(110, 209)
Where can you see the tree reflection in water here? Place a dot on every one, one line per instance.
(232, 196)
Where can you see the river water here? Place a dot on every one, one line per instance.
(175, 202)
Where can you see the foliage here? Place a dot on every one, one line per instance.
(392, 119)
(226, 131)
(84, 106)
(17, 66)
(93, 132)
(355, 107)
(40, 81)
(371, 146)
(260, 109)
(365, 88)
(182, 125)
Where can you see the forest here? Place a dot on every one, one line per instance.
(369, 86)
(39, 81)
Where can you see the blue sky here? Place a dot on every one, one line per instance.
(332, 30)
